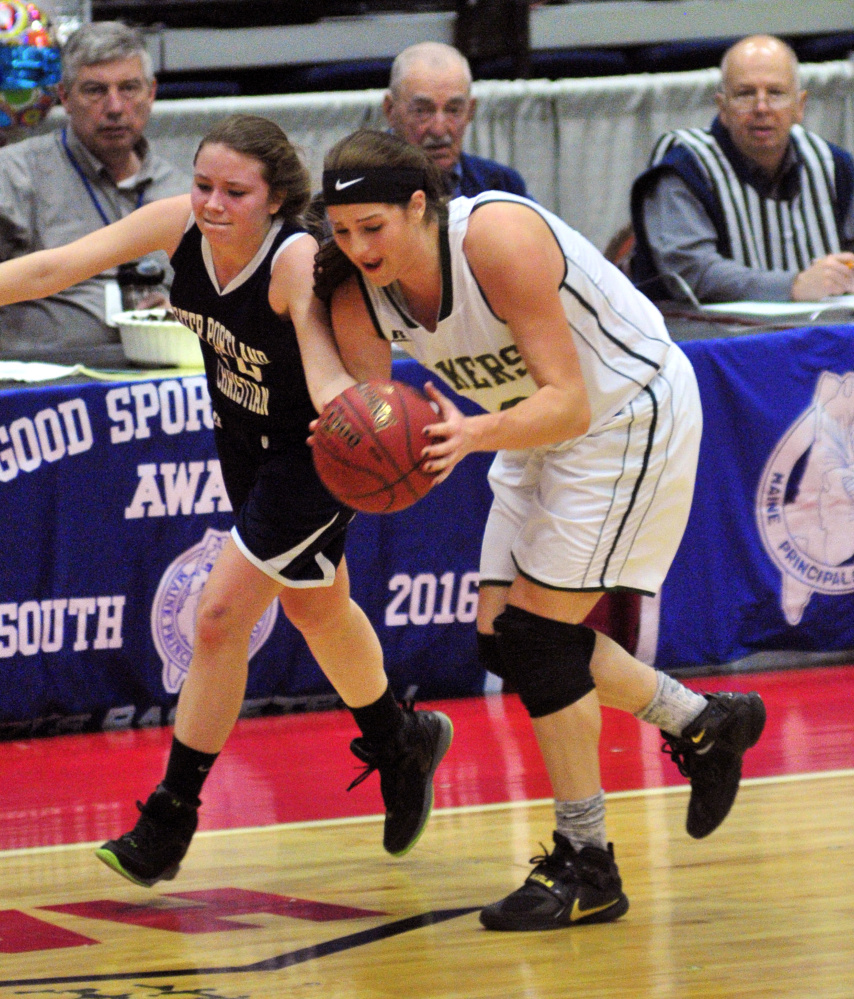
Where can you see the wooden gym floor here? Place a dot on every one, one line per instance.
(286, 891)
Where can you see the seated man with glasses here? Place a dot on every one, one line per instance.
(94, 169)
(429, 104)
(757, 207)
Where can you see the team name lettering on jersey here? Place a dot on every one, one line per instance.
(484, 370)
(192, 320)
(224, 342)
(220, 338)
(243, 391)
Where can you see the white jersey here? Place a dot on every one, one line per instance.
(620, 336)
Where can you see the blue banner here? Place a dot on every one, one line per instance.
(112, 510)
(767, 560)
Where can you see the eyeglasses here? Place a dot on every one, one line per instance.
(129, 91)
(746, 100)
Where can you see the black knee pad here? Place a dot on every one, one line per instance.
(547, 661)
(487, 654)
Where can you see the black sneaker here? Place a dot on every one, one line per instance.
(566, 888)
(406, 769)
(709, 754)
(153, 850)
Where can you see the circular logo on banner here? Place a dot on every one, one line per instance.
(173, 611)
(805, 503)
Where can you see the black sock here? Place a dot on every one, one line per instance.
(187, 771)
(381, 720)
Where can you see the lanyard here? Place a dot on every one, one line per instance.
(89, 189)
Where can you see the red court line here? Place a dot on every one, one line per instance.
(295, 768)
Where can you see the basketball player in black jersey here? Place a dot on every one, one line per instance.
(243, 283)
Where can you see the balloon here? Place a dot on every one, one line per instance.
(29, 65)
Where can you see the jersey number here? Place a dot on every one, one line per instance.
(253, 370)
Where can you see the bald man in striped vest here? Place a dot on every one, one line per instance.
(754, 208)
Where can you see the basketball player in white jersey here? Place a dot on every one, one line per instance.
(595, 415)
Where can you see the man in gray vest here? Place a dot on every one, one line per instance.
(95, 169)
(756, 208)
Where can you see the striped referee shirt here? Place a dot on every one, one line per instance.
(769, 230)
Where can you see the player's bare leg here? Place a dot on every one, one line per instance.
(340, 638)
(235, 596)
(406, 746)
(233, 599)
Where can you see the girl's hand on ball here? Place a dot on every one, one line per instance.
(449, 440)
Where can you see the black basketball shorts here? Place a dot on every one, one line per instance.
(286, 522)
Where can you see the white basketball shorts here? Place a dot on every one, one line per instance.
(605, 511)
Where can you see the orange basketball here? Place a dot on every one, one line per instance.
(368, 442)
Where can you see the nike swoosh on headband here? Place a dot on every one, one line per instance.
(340, 185)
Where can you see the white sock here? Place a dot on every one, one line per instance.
(583, 822)
(673, 706)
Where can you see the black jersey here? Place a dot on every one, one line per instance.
(252, 358)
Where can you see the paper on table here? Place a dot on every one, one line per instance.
(35, 371)
(774, 309)
(38, 371)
